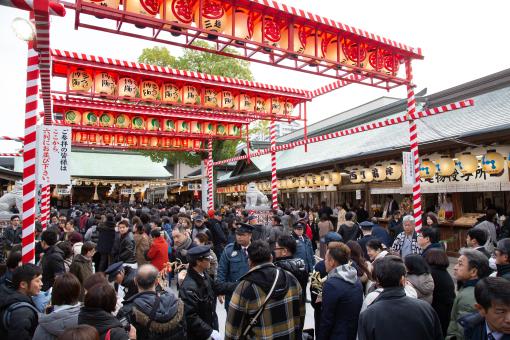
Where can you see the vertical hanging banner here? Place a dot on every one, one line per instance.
(54, 153)
(407, 168)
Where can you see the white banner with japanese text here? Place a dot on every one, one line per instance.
(53, 155)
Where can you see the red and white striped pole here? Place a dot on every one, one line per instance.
(11, 154)
(413, 138)
(28, 226)
(16, 139)
(45, 206)
(274, 179)
(210, 175)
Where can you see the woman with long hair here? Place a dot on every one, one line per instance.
(363, 267)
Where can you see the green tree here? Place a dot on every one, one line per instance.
(204, 62)
(261, 128)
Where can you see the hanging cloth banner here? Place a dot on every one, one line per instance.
(54, 154)
(407, 168)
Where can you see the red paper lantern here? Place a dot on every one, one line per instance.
(131, 140)
(144, 140)
(213, 16)
(154, 141)
(272, 34)
(120, 139)
(107, 139)
(179, 11)
(144, 7)
(244, 24)
(166, 142)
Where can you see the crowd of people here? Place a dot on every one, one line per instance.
(151, 271)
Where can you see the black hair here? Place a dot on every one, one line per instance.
(50, 237)
(70, 221)
(25, 273)
(340, 253)
(375, 244)
(259, 252)
(431, 233)
(66, 247)
(13, 260)
(155, 233)
(277, 219)
(288, 242)
(301, 214)
(478, 234)
(14, 216)
(389, 271)
(492, 289)
(416, 265)
(349, 216)
(437, 257)
(66, 290)
(87, 246)
(324, 217)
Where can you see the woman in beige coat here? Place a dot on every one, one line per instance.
(325, 226)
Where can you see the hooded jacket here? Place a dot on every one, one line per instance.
(349, 231)
(283, 314)
(52, 264)
(342, 297)
(296, 267)
(54, 324)
(424, 285)
(23, 320)
(102, 321)
(168, 321)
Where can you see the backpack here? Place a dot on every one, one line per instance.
(6, 317)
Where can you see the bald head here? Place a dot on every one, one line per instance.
(147, 277)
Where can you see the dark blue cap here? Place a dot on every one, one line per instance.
(366, 225)
(199, 251)
(199, 218)
(299, 225)
(332, 237)
(113, 270)
(244, 228)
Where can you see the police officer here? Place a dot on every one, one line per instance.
(198, 292)
(233, 262)
(123, 276)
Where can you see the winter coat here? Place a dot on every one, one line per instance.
(394, 228)
(417, 320)
(54, 324)
(124, 248)
(463, 304)
(168, 321)
(103, 322)
(475, 327)
(219, 239)
(424, 286)
(296, 267)
(399, 242)
(106, 237)
(199, 296)
(490, 230)
(260, 232)
(158, 253)
(305, 251)
(382, 235)
(363, 244)
(283, 314)
(81, 267)
(92, 234)
(23, 320)
(142, 246)
(431, 246)
(342, 297)
(12, 236)
(232, 266)
(443, 295)
(52, 264)
(349, 231)
(274, 233)
(128, 283)
(503, 270)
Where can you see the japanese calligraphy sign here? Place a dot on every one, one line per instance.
(407, 168)
(53, 155)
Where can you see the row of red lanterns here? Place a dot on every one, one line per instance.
(129, 140)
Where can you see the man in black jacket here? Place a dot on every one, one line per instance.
(219, 238)
(124, 276)
(284, 258)
(492, 321)
(154, 315)
(198, 292)
(392, 308)
(18, 314)
(52, 262)
(12, 233)
(502, 253)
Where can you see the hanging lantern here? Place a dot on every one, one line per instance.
(221, 129)
(80, 80)
(166, 142)
(445, 166)
(94, 138)
(131, 140)
(493, 162)
(274, 106)
(244, 24)
(127, 87)
(189, 95)
(149, 90)
(184, 143)
(108, 139)
(143, 7)
(355, 176)
(379, 173)
(210, 128)
(179, 11)
(336, 178)
(120, 139)
(319, 179)
(183, 126)
(330, 48)
(171, 93)
(295, 182)
(89, 118)
(375, 59)
(288, 107)
(244, 102)
(260, 105)
(282, 184)
(211, 98)
(213, 17)
(309, 180)
(104, 83)
(289, 183)
(302, 181)
(356, 53)
(227, 101)
(197, 127)
(299, 39)
(153, 124)
(106, 119)
(366, 175)
(391, 63)
(176, 143)
(72, 117)
(197, 144)
(137, 122)
(122, 121)
(143, 140)
(154, 141)
(325, 178)
(427, 169)
(467, 163)
(272, 34)
(81, 137)
(234, 130)
(169, 125)
(393, 171)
